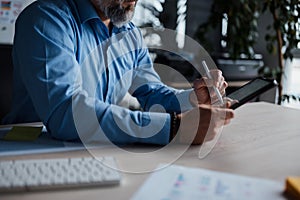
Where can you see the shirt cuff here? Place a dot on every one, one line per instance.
(163, 135)
(183, 97)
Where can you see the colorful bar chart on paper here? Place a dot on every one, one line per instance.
(176, 183)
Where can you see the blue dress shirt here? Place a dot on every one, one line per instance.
(71, 73)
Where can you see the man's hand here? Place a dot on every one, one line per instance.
(203, 93)
(205, 120)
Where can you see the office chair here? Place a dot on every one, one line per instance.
(6, 77)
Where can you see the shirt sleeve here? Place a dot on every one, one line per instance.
(45, 56)
(150, 91)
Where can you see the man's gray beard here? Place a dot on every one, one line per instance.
(118, 15)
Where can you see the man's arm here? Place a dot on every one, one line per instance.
(45, 56)
(149, 90)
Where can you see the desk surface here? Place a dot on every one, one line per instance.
(262, 141)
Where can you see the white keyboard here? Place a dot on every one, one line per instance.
(27, 175)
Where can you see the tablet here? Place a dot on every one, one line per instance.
(250, 90)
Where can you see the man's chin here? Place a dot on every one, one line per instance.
(120, 23)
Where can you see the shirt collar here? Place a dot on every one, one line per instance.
(86, 10)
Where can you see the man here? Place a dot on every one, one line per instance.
(74, 62)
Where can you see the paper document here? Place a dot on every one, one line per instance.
(177, 183)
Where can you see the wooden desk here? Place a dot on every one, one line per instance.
(262, 141)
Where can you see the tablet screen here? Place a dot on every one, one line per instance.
(250, 90)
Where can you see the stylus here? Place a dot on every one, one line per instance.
(219, 96)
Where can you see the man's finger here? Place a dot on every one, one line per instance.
(225, 113)
(229, 102)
